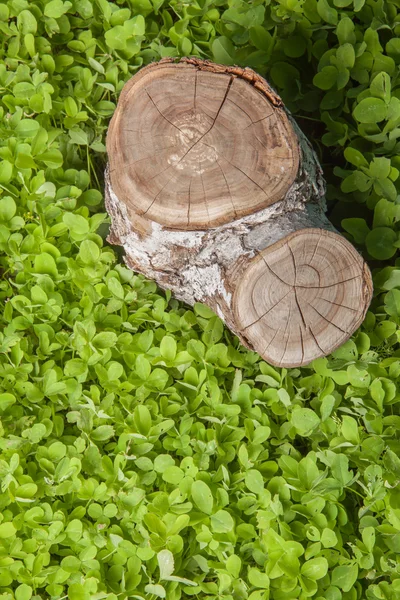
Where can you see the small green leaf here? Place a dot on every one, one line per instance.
(370, 110)
(76, 223)
(45, 264)
(254, 481)
(345, 576)
(23, 592)
(202, 496)
(304, 420)
(315, 568)
(222, 522)
(7, 530)
(76, 591)
(380, 243)
(168, 348)
(165, 560)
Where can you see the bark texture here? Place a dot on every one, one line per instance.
(222, 202)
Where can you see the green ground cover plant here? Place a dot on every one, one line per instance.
(143, 452)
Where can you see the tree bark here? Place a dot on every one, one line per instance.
(216, 194)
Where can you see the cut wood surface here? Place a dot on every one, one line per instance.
(216, 194)
(192, 149)
(308, 290)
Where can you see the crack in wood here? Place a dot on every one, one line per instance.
(315, 340)
(302, 343)
(189, 200)
(162, 114)
(266, 312)
(210, 128)
(259, 121)
(229, 189)
(287, 341)
(326, 319)
(248, 177)
(337, 304)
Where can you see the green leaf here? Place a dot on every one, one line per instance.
(380, 243)
(156, 589)
(254, 481)
(74, 530)
(258, 579)
(328, 538)
(45, 264)
(79, 137)
(304, 420)
(6, 170)
(23, 592)
(358, 229)
(368, 537)
(261, 38)
(350, 430)
(8, 208)
(27, 128)
(326, 12)
(202, 496)
(162, 462)
(6, 400)
(392, 305)
(55, 9)
(26, 23)
(345, 576)
(76, 223)
(76, 591)
(89, 252)
(165, 560)
(168, 348)
(326, 78)
(222, 522)
(381, 87)
(370, 110)
(173, 475)
(7, 530)
(315, 568)
(223, 51)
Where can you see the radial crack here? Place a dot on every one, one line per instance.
(327, 320)
(276, 275)
(267, 311)
(248, 177)
(227, 185)
(209, 129)
(324, 287)
(162, 114)
(315, 340)
(337, 304)
(189, 201)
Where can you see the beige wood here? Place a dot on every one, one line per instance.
(302, 297)
(215, 193)
(192, 148)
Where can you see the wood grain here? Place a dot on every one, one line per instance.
(192, 148)
(302, 297)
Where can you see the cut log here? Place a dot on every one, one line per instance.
(216, 194)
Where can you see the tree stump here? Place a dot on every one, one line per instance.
(216, 194)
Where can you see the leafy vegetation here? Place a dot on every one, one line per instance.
(144, 453)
